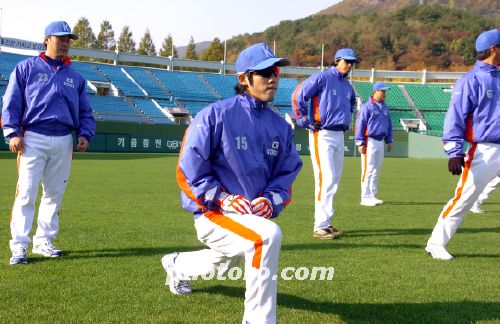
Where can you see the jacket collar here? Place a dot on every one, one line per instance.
(254, 103)
(373, 101)
(66, 60)
(336, 72)
(485, 67)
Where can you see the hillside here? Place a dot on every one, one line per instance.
(484, 8)
(410, 38)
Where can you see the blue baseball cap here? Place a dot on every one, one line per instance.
(346, 54)
(380, 86)
(59, 28)
(487, 39)
(258, 57)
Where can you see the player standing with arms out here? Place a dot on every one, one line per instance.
(44, 102)
(332, 104)
(490, 187)
(236, 167)
(373, 128)
(473, 116)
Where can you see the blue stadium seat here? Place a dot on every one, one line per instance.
(146, 81)
(187, 86)
(152, 111)
(223, 84)
(116, 109)
(120, 80)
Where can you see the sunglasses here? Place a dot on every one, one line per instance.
(352, 62)
(266, 73)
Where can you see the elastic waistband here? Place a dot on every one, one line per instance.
(54, 128)
(335, 128)
(378, 138)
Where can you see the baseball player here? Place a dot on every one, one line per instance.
(45, 101)
(373, 128)
(473, 116)
(490, 187)
(235, 171)
(332, 104)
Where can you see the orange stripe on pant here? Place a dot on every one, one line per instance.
(19, 153)
(465, 174)
(240, 230)
(318, 162)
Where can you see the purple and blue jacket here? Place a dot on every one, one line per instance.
(474, 112)
(373, 120)
(47, 100)
(332, 100)
(240, 146)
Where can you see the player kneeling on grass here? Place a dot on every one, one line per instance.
(45, 101)
(236, 167)
(473, 117)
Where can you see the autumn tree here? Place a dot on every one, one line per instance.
(215, 52)
(191, 50)
(86, 37)
(126, 42)
(168, 47)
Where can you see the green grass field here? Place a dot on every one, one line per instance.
(121, 214)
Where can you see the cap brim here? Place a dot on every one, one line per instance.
(279, 61)
(350, 58)
(72, 36)
(384, 88)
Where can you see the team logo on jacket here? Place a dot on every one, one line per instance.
(489, 94)
(273, 151)
(334, 92)
(69, 82)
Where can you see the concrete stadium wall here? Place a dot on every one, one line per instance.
(425, 146)
(156, 138)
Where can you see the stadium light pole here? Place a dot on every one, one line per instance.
(322, 56)
(224, 59)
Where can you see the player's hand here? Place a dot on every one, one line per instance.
(234, 204)
(389, 147)
(456, 164)
(262, 207)
(362, 149)
(83, 144)
(16, 144)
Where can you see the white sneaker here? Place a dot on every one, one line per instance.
(369, 202)
(177, 286)
(19, 255)
(47, 250)
(476, 209)
(438, 252)
(377, 201)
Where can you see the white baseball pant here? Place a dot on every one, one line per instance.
(482, 165)
(327, 155)
(371, 164)
(45, 159)
(490, 187)
(230, 238)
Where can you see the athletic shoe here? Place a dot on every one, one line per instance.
(377, 201)
(328, 233)
(438, 252)
(19, 255)
(368, 202)
(177, 286)
(47, 250)
(476, 209)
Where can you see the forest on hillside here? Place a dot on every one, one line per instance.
(411, 38)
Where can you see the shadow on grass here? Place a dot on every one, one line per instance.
(434, 312)
(116, 253)
(415, 231)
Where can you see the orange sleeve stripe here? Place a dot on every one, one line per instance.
(315, 104)
(240, 230)
(318, 162)
(289, 199)
(182, 180)
(465, 175)
(294, 101)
